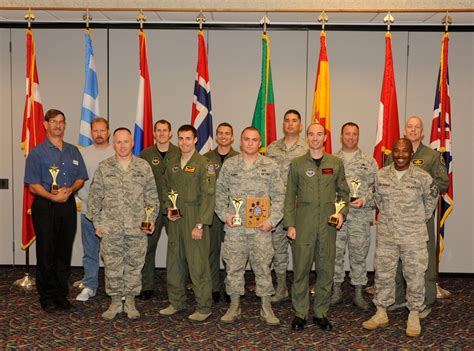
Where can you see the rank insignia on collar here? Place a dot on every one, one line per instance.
(190, 169)
(418, 162)
(155, 161)
(175, 168)
(310, 172)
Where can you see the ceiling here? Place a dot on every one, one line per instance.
(356, 18)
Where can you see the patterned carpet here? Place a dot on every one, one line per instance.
(25, 326)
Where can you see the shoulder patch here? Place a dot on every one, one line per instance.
(434, 190)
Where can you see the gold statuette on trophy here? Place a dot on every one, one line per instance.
(333, 218)
(355, 185)
(173, 195)
(237, 202)
(54, 171)
(146, 225)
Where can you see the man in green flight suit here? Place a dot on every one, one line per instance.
(193, 178)
(432, 162)
(223, 151)
(156, 156)
(315, 181)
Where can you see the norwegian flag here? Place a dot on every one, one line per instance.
(33, 132)
(143, 132)
(440, 139)
(201, 115)
(388, 130)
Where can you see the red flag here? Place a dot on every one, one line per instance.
(33, 131)
(388, 130)
(322, 99)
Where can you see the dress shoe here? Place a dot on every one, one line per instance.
(298, 323)
(48, 307)
(216, 296)
(323, 323)
(63, 304)
(145, 295)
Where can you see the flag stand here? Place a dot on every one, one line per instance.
(440, 292)
(27, 282)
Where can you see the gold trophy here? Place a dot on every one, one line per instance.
(355, 184)
(146, 225)
(333, 218)
(175, 211)
(54, 170)
(237, 202)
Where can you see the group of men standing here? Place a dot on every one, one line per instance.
(253, 205)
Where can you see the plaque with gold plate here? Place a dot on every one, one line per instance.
(237, 202)
(54, 171)
(257, 211)
(146, 225)
(332, 221)
(173, 196)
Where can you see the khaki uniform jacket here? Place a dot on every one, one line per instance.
(311, 194)
(117, 198)
(405, 205)
(195, 184)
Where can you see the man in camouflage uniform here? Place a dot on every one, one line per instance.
(123, 186)
(223, 151)
(406, 197)
(432, 162)
(156, 156)
(193, 177)
(314, 180)
(282, 151)
(359, 168)
(251, 179)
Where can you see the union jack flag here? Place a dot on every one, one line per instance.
(441, 134)
(201, 115)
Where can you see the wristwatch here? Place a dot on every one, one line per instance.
(199, 226)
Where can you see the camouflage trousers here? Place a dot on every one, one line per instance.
(415, 262)
(355, 236)
(123, 256)
(280, 245)
(239, 248)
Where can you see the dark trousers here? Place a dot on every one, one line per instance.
(55, 227)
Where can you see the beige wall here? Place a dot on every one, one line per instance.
(356, 61)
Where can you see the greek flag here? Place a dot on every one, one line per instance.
(90, 101)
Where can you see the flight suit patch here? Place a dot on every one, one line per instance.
(175, 168)
(310, 172)
(155, 161)
(190, 169)
(327, 171)
(418, 162)
(211, 169)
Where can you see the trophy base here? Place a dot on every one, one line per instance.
(237, 221)
(54, 189)
(146, 226)
(332, 221)
(26, 283)
(176, 212)
(353, 198)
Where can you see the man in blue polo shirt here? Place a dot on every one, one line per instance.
(54, 171)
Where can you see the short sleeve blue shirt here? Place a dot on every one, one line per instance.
(45, 155)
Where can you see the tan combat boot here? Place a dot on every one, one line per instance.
(168, 311)
(114, 308)
(130, 308)
(378, 320)
(199, 316)
(413, 324)
(266, 312)
(234, 310)
(281, 293)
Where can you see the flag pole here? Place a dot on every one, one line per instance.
(27, 282)
(440, 292)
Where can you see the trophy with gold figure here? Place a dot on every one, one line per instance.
(339, 204)
(237, 202)
(173, 196)
(146, 225)
(54, 171)
(355, 185)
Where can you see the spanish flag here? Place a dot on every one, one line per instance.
(264, 114)
(322, 99)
